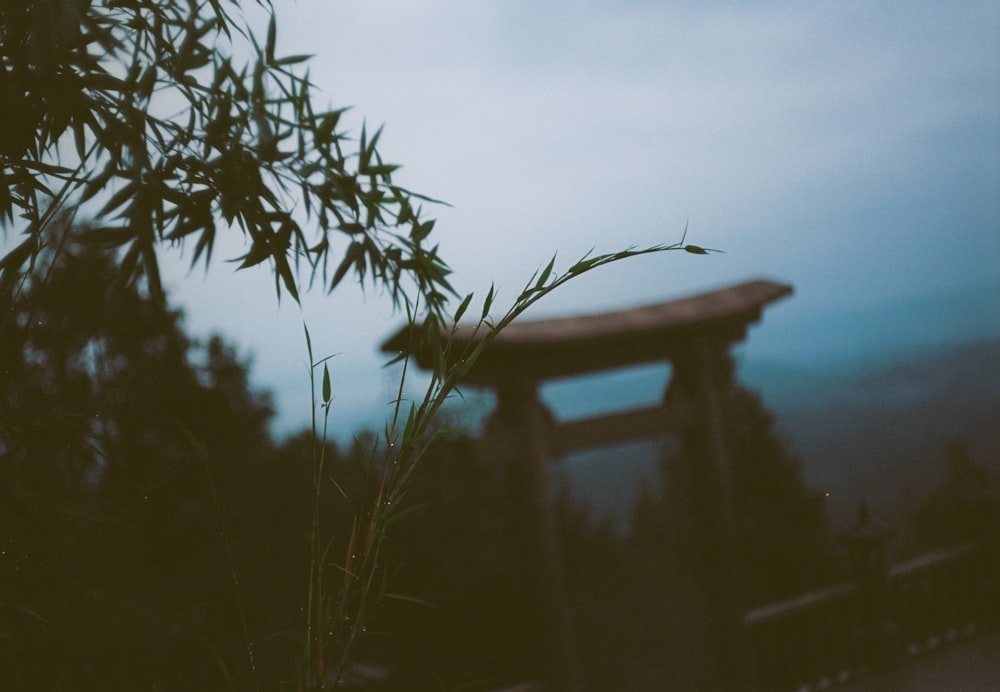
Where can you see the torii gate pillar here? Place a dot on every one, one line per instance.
(518, 437)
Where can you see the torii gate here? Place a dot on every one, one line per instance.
(692, 334)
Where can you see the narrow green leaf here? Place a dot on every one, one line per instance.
(352, 228)
(14, 259)
(421, 230)
(410, 599)
(327, 389)
(363, 149)
(206, 241)
(546, 273)
(374, 142)
(530, 289)
(698, 250)
(284, 271)
(48, 168)
(146, 82)
(103, 81)
(309, 346)
(108, 235)
(355, 251)
(582, 265)
(259, 251)
(402, 514)
(293, 59)
(271, 38)
(127, 267)
(118, 199)
(488, 303)
(382, 169)
(80, 139)
(462, 308)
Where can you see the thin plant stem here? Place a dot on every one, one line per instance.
(202, 454)
(399, 454)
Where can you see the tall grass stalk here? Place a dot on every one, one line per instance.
(200, 451)
(335, 622)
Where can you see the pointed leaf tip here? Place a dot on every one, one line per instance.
(327, 389)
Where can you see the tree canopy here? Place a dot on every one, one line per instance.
(175, 123)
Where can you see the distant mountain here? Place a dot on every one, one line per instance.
(879, 433)
(874, 433)
(867, 399)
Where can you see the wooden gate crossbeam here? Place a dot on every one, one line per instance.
(540, 350)
(693, 334)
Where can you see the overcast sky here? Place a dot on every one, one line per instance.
(851, 149)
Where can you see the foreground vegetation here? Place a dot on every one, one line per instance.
(171, 123)
(155, 533)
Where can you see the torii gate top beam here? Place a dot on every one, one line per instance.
(546, 349)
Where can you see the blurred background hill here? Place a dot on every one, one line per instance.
(869, 401)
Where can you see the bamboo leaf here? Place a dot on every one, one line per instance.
(546, 273)
(19, 255)
(309, 346)
(111, 236)
(698, 250)
(488, 303)
(421, 230)
(410, 599)
(284, 271)
(259, 251)
(119, 198)
(355, 251)
(272, 31)
(382, 169)
(327, 389)
(462, 308)
(293, 59)
(352, 228)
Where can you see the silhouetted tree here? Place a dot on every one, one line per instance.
(133, 463)
(958, 511)
(781, 524)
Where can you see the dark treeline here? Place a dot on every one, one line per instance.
(154, 536)
(116, 529)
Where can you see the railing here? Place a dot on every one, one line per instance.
(828, 637)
